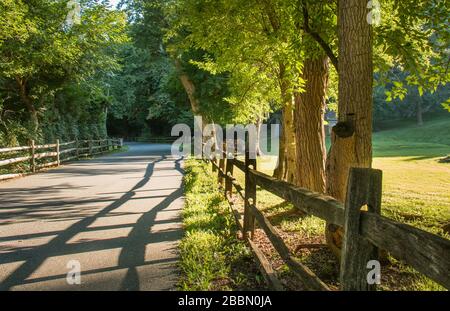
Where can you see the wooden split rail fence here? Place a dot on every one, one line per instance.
(42, 156)
(366, 231)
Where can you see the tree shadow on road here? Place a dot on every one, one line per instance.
(133, 247)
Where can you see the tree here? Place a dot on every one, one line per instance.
(309, 120)
(352, 138)
(248, 37)
(51, 54)
(316, 24)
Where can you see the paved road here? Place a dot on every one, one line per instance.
(118, 216)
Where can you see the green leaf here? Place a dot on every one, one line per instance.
(420, 89)
(446, 105)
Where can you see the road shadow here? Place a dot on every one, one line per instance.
(132, 254)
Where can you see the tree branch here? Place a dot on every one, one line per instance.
(327, 49)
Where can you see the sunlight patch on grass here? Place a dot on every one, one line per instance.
(310, 226)
(415, 191)
(211, 255)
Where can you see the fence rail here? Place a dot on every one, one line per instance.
(58, 152)
(365, 231)
(154, 140)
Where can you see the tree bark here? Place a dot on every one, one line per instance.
(279, 170)
(309, 121)
(352, 136)
(189, 87)
(258, 136)
(286, 159)
(288, 118)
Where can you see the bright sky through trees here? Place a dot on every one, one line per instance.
(114, 3)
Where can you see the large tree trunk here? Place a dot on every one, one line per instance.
(309, 121)
(352, 136)
(288, 120)
(286, 159)
(279, 170)
(189, 87)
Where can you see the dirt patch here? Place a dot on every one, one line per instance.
(314, 253)
(310, 251)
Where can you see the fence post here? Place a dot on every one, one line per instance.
(364, 189)
(214, 161)
(33, 160)
(90, 147)
(58, 160)
(221, 167)
(229, 170)
(250, 192)
(77, 152)
(121, 143)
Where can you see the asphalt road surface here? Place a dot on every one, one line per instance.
(116, 218)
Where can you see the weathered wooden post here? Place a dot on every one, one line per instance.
(90, 147)
(58, 160)
(364, 189)
(221, 167)
(229, 170)
(77, 152)
(214, 163)
(32, 154)
(250, 191)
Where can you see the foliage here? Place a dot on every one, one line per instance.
(414, 36)
(53, 76)
(249, 40)
(147, 93)
(239, 40)
(403, 104)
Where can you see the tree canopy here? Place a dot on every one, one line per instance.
(55, 73)
(148, 65)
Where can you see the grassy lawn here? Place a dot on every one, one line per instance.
(212, 258)
(416, 187)
(416, 191)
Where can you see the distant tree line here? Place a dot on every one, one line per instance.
(55, 69)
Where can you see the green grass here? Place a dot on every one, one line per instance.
(416, 191)
(415, 142)
(415, 185)
(212, 258)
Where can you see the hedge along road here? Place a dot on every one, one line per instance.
(117, 218)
